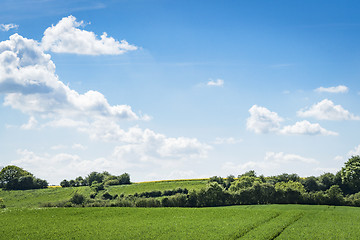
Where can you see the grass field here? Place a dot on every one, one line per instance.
(244, 222)
(36, 197)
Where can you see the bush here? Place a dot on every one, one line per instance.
(107, 196)
(96, 186)
(147, 202)
(77, 198)
(111, 182)
(2, 205)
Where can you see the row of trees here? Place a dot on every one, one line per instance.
(104, 178)
(16, 178)
(342, 188)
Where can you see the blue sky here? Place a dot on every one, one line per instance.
(178, 89)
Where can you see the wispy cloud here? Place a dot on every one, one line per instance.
(337, 89)
(7, 27)
(216, 83)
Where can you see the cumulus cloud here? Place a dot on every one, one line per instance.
(8, 27)
(262, 120)
(55, 168)
(66, 37)
(28, 79)
(217, 83)
(306, 128)
(337, 89)
(327, 110)
(30, 84)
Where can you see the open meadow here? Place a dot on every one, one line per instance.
(238, 222)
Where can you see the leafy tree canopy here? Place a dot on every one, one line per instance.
(350, 174)
(11, 172)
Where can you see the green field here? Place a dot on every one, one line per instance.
(23, 218)
(36, 197)
(244, 222)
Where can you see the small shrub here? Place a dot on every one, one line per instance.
(2, 205)
(77, 198)
(107, 196)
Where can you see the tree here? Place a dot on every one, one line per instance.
(94, 176)
(124, 179)
(10, 173)
(350, 174)
(311, 184)
(326, 180)
(16, 178)
(335, 195)
(65, 183)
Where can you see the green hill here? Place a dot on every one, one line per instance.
(37, 197)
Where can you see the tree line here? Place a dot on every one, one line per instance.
(96, 179)
(16, 178)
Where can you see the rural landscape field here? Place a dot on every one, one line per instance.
(23, 218)
(179, 119)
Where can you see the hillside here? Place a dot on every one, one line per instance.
(37, 197)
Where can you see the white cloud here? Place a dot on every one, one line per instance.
(327, 110)
(282, 158)
(30, 84)
(78, 146)
(217, 83)
(55, 168)
(355, 151)
(66, 37)
(7, 27)
(274, 163)
(262, 120)
(229, 140)
(306, 128)
(31, 124)
(27, 77)
(326, 170)
(337, 89)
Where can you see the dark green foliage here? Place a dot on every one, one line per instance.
(94, 176)
(311, 184)
(335, 195)
(15, 178)
(77, 199)
(97, 186)
(107, 196)
(2, 205)
(326, 180)
(350, 174)
(147, 202)
(105, 177)
(124, 179)
(217, 179)
(250, 173)
(65, 183)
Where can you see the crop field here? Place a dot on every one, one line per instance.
(244, 222)
(36, 197)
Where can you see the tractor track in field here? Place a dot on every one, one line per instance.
(298, 217)
(274, 235)
(239, 235)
